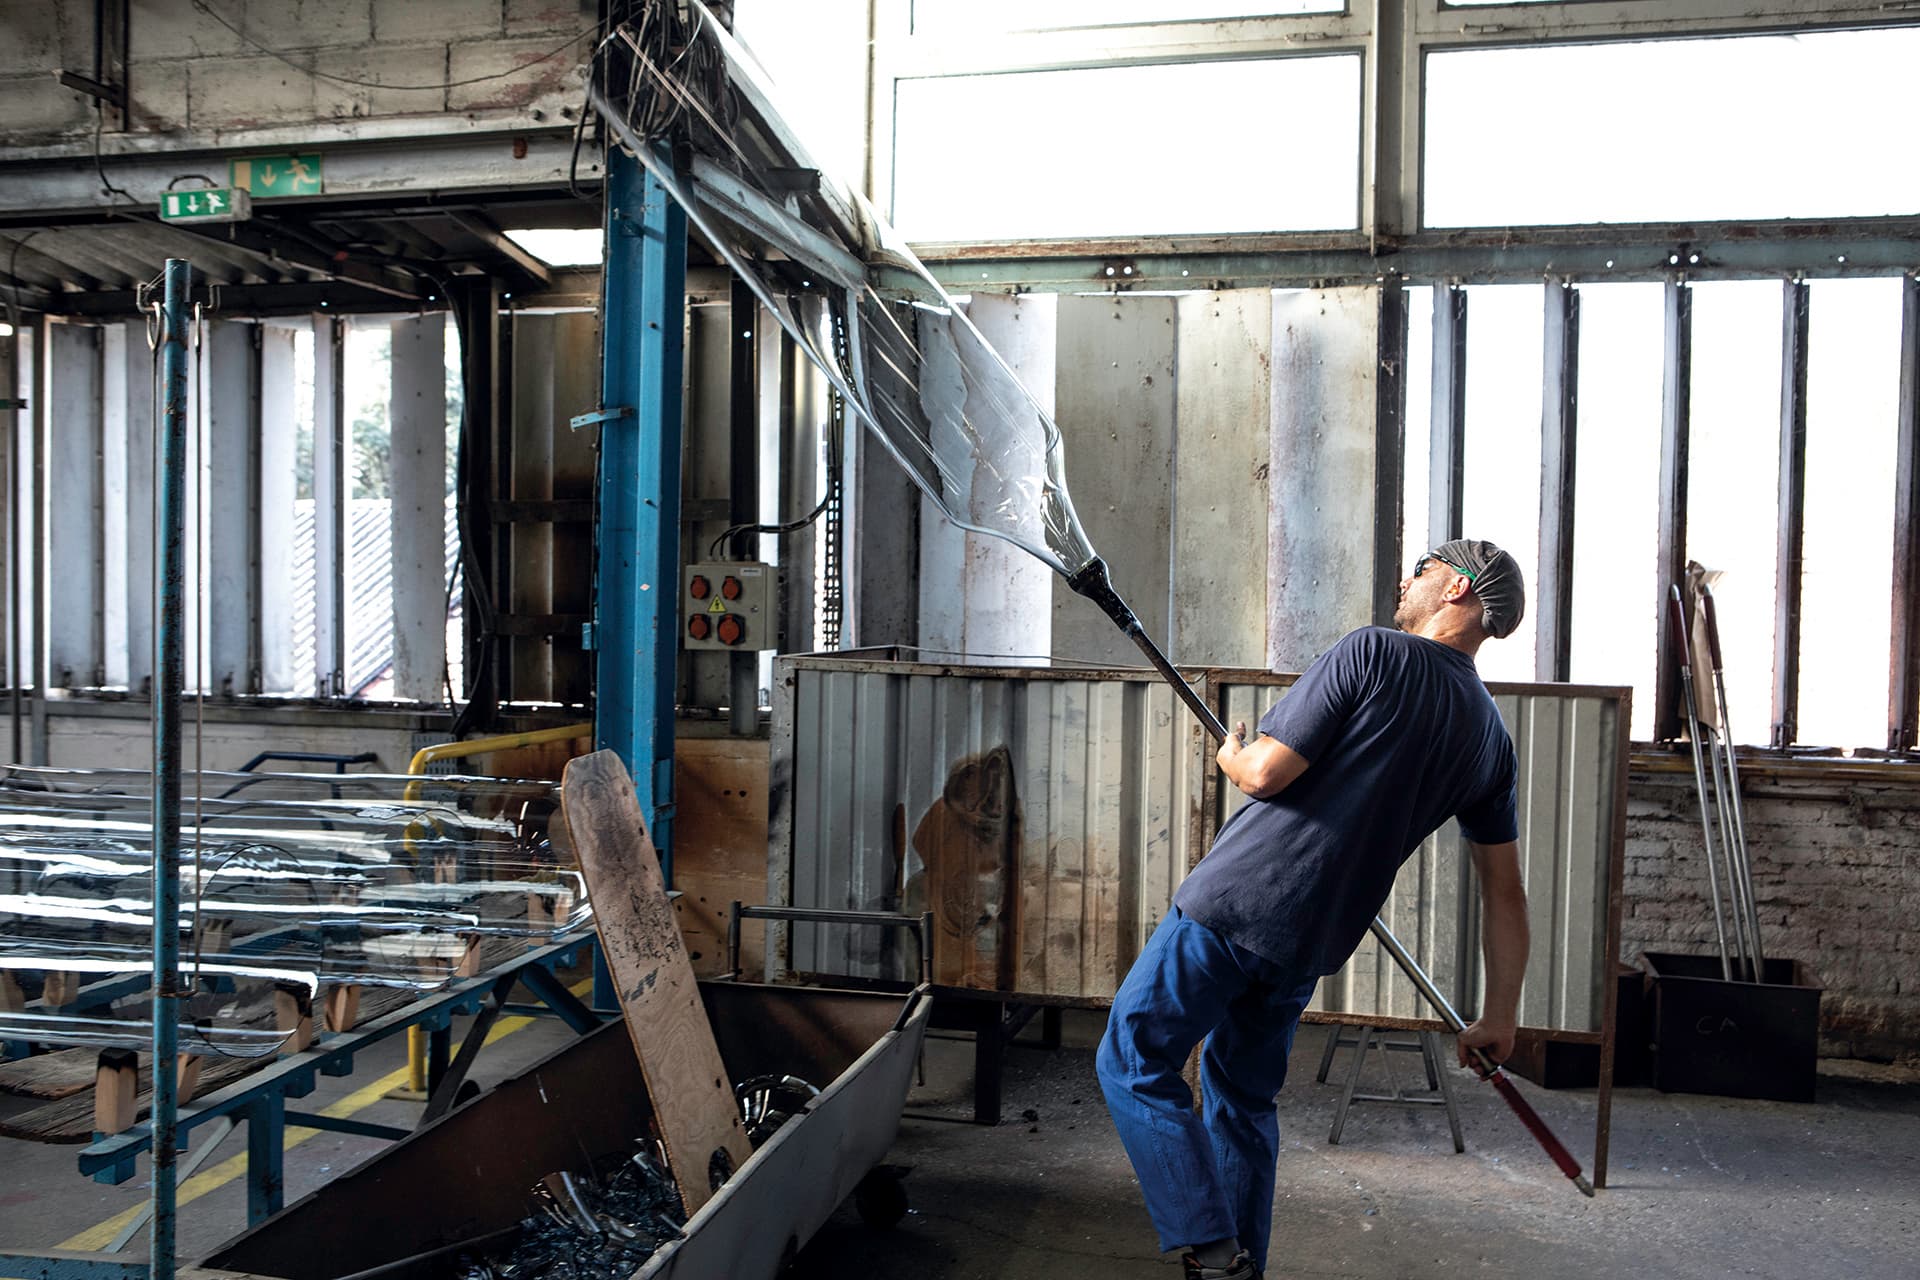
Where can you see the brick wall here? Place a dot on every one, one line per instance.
(1836, 871)
(192, 75)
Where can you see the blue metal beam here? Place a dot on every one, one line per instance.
(169, 675)
(637, 571)
(66, 1264)
(340, 1124)
(293, 1076)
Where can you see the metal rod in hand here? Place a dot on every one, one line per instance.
(1740, 858)
(1093, 583)
(1677, 620)
(169, 673)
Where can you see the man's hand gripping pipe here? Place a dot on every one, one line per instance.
(1093, 583)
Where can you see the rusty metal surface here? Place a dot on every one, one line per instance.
(759, 1219)
(1039, 814)
(1116, 799)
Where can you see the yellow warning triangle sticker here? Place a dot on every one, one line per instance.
(718, 606)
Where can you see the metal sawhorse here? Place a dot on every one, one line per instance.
(1426, 1043)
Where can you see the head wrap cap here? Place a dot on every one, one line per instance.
(1497, 582)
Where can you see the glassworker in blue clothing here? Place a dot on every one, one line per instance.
(1386, 736)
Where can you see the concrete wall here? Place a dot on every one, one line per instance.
(1836, 872)
(119, 735)
(344, 60)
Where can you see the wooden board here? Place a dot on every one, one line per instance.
(50, 1076)
(720, 847)
(71, 1119)
(658, 995)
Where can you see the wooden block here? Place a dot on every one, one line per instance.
(190, 1067)
(659, 996)
(470, 963)
(61, 988)
(293, 1017)
(12, 998)
(116, 1091)
(342, 1007)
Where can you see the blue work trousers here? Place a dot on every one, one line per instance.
(1202, 1181)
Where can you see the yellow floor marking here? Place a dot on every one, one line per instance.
(98, 1237)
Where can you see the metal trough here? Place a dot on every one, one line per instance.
(469, 1175)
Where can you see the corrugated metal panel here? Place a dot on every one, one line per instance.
(1569, 740)
(1039, 814)
(1110, 793)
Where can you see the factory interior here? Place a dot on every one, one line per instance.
(622, 620)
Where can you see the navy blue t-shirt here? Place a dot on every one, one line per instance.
(1400, 734)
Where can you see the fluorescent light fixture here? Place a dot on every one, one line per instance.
(560, 246)
(6, 330)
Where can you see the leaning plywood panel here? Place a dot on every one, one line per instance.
(658, 995)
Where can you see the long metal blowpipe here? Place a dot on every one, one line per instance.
(1093, 583)
(1742, 865)
(1677, 619)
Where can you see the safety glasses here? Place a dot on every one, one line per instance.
(1420, 566)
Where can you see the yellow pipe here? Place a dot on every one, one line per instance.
(481, 746)
(416, 1038)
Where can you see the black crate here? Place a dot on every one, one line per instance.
(1733, 1039)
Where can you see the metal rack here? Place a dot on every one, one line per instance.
(261, 1098)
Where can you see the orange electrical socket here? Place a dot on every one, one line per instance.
(699, 588)
(732, 630)
(698, 627)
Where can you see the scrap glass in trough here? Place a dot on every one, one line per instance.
(904, 356)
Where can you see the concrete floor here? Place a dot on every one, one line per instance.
(1700, 1186)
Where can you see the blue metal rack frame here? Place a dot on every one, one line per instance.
(260, 1100)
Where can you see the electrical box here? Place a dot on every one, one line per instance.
(727, 605)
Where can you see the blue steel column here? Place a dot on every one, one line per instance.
(637, 574)
(169, 669)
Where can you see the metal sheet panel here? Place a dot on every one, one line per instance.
(1109, 796)
(1570, 743)
(1041, 815)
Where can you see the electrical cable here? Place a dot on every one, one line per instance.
(99, 168)
(317, 74)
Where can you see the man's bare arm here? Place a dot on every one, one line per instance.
(1504, 941)
(1261, 768)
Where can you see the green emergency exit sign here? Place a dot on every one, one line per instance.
(205, 204)
(269, 177)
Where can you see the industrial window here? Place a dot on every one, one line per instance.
(1501, 499)
(1417, 436)
(1853, 369)
(1616, 631)
(1780, 126)
(816, 56)
(266, 585)
(1050, 154)
(969, 17)
(1733, 483)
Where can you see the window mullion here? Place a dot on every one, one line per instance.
(1792, 513)
(1676, 409)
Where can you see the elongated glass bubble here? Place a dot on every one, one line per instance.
(902, 354)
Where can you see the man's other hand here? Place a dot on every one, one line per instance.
(1495, 1039)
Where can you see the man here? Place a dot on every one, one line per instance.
(1387, 735)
